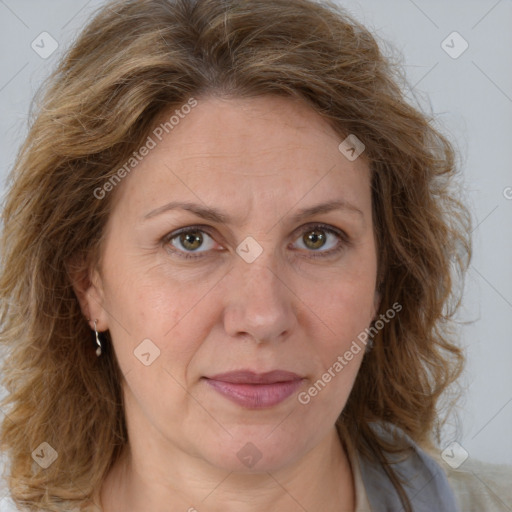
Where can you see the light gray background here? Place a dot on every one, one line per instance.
(472, 98)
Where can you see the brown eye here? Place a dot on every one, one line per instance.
(191, 240)
(187, 242)
(314, 239)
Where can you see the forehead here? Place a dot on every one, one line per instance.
(269, 129)
(260, 151)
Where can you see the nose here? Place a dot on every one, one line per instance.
(259, 304)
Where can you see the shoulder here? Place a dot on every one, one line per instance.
(479, 485)
(472, 486)
(424, 481)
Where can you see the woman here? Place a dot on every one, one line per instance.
(228, 254)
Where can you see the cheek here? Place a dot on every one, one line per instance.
(346, 310)
(341, 352)
(346, 302)
(346, 307)
(145, 303)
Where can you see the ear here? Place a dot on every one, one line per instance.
(88, 287)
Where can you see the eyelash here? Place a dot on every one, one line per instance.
(205, 229)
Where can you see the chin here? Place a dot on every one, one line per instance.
(254, 453)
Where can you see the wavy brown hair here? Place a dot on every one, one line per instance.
(135, 60)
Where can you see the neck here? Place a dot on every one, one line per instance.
(321, 480)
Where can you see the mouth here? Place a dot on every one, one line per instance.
(255, 390)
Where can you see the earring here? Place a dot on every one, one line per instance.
(98, 350)
(370, 342)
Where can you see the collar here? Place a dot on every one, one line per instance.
(426, 484)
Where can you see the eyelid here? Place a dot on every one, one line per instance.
(186, 229)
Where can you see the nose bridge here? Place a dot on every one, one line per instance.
(258, 302)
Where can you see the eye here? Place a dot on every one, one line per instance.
(315, 237)
(187, 242)
(190, 239)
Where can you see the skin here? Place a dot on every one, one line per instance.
(260, 161)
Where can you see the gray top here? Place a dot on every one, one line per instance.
(425, 482)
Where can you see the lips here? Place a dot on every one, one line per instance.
(250, 377)
(255, 390)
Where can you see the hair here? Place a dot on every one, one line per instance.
(135, 60)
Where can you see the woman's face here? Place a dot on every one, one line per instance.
(254, 287)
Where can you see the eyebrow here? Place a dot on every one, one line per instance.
(214, 215)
